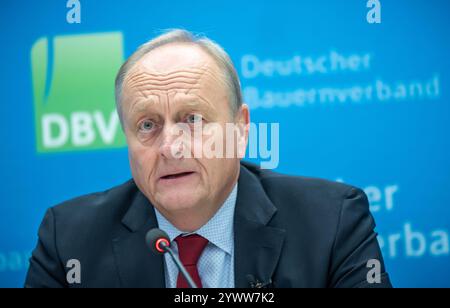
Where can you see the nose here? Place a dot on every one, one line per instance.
(173, 143)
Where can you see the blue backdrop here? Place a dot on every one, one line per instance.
(363, 103)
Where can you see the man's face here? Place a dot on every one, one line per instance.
(173, 86)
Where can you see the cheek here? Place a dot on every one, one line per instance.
(142, 160)
(213, 171)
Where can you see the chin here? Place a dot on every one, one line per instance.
(177, 200)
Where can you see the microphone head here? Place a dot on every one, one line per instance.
(154, 238)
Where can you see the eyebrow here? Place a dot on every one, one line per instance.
(180, 106)
(199, 104)
(140, 105)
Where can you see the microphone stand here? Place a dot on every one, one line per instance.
(180, 266)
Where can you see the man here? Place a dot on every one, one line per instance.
(231, 223)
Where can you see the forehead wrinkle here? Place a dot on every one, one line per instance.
(192, 102)
(139, 104)
(168, 102)
(178, 105)
(154, 100)
(215, 96)
(144, 81)
(180, 76)
(151, 84)
(196, 102)
(207, 71)
(188, 76)
(187, 80)
(140, 74)
(141, 71)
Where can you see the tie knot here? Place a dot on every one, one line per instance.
(190, 248)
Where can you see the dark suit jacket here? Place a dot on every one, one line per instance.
(292, 231)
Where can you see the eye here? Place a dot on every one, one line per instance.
(194, 118)
(146, 126)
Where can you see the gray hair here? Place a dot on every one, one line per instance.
(223, 60)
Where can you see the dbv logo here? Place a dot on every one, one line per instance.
(73, 87)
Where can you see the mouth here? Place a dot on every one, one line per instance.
(178, 178)
(177, 175)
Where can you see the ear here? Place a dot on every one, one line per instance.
(243, 122)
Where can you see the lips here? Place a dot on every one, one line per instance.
(176, 175)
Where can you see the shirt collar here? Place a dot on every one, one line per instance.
(218, 230)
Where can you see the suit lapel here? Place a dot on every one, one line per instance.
(137, 265)
(257, 245)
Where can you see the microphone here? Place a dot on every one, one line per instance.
(158, 241)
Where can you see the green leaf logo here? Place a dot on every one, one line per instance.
(73, 89)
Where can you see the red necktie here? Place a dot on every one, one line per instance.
(190, 249)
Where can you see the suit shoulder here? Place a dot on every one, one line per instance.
(109, 202)
(302, 191)
(287, 182)
(305, 185)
